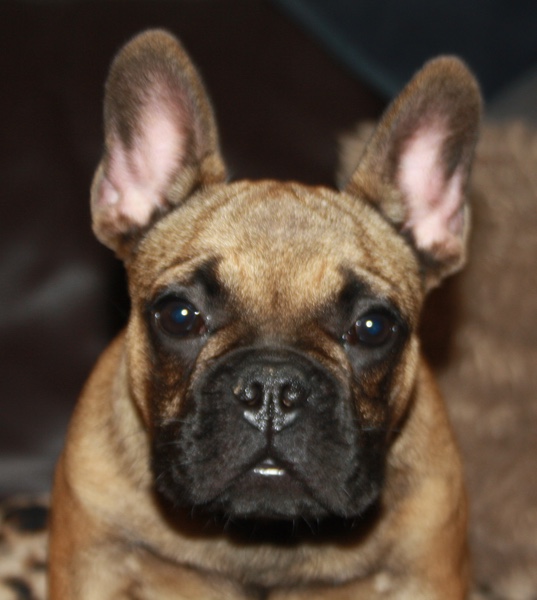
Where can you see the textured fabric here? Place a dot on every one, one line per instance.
(23, 548)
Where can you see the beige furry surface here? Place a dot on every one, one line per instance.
(487, 321)
(480, 333)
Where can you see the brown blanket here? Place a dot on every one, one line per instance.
(487, 319)
(479, 331)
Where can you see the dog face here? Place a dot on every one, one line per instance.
(276, 340)
(271, 347)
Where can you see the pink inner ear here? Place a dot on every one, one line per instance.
(138, 176)
(434, 203)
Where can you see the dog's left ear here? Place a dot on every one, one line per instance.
(416, 166)
(160, 139)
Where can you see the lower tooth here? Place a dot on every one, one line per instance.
(269, 471)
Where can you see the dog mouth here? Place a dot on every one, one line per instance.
(265, 487)
(268, 486)
(267, 435)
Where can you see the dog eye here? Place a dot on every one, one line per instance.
(178, 318)
(372, 329)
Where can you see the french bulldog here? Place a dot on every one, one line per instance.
(266, 427)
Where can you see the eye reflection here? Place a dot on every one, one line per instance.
(177, 317)
(373, 329)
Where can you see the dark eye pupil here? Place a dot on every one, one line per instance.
(182, 316)
(178, 318)
(373, 327)
(373, 330)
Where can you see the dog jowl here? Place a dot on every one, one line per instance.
(270, 370)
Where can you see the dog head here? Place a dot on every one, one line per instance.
(272, 348)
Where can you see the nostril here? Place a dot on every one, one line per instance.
(249, 393)
(292, 395)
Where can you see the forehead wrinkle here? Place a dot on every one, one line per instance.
(274, 288)
(179, 272)
(286, 238)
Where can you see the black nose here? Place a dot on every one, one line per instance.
(272, 394)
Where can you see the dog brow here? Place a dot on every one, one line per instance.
(355, 287)
(206, 275)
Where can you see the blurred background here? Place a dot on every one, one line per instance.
(286, 77)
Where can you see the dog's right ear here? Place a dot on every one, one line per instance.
(160, 139)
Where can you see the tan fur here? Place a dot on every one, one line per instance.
(281, 251)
